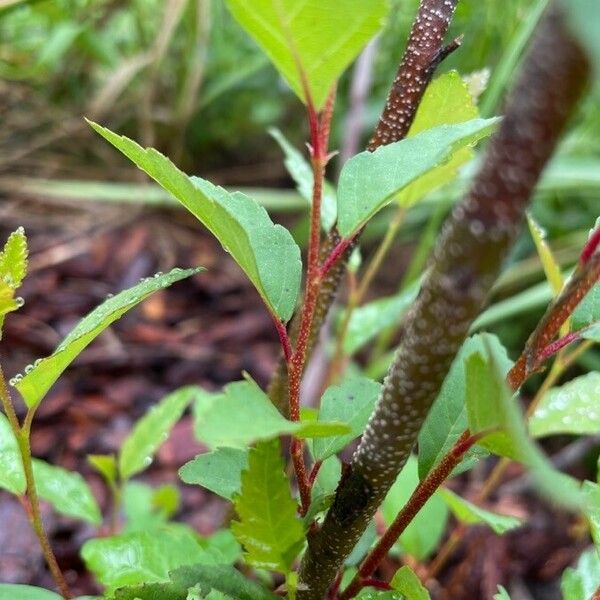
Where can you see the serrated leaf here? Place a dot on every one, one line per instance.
(152, 430)
(570, 408)
(267, 526)
(352, 403)
(9, 591)
(219, 471)
(266, 252)
(144, 556)
(395, 166)
(549, 264)
(469, 513)
(36, 383)
(446, 100)
(424, 532)
(447, 418)
(106, 465)
(243, 414)
(302, 174)
(12, 478)
(409, 585)
(205, 577)
(293, 32)
(369, 320)
(583, 581)
(66, 491)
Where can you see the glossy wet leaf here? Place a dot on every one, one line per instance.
(219, 471)
(407, 582)
(447, 419)
(395, 166)
(152, 430)
(446, 100)
(267, 526)
(570, 408)
(206, 578)
(144, 556)
(243, 414)
(469, 513)
(13, 268)
(424, 532)
(316, 37)
(44, 373)
(302, 174)
(581, 582)
(352, 403)
(66, 491)
(12, 478)
(266, 252)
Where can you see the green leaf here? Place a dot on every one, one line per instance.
(570, 408)
(581, 583)
(106, 465)
(584, 18)
(408, 583)
(587, 313)
(371, 319)
(424, 532)
(352, 403)
(144, 556)
(10, 591)
(268, 528)
(152, 430)
(302, 174)
(12, 478)
(243, 414)
(219, 471)
(206, 578)
(446, 101)
(491, 405)
(147, 508)
(13, 268)
(266, 252)
(447, 418)
(502, 594)
(44, 373)
(549, 264)
(396, 165)
(315, 39)
(68, 492)
(591, 492)
(469, 513)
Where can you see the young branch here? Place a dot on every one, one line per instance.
(465, 263)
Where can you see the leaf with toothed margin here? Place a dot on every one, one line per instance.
(310, 42)
(43, 374)
(370, 180)
(266, 252)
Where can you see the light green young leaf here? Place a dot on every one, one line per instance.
(68, 492)
(581, 582)
(144, 556)
(12, 478)
(570, 408)
(13, 268)
(591, 492)
(491, 405)
(351, 403)
(371, 319)
(206, 578)
(409, 585)
(587, 313)
(502, 594)
(243, 414)
(148, 508)
(549, 264)
(44, 373)
(370, 180)
(106, 465)
(311, 39)
(219, 471)
(447, 419)
(302, 173)
(268, 528)
(9, 591)
(152, 430)
(446, 101)
(469, 513)
(266, 252)
(424, 532)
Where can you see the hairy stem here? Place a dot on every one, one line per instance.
(465, 263)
